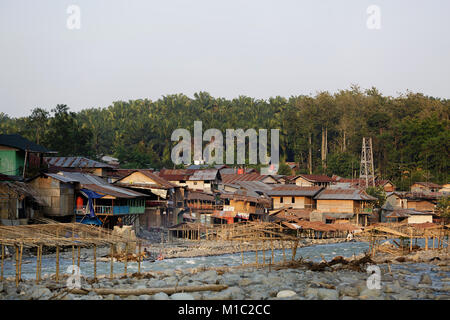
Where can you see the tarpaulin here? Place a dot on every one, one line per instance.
(91, 195)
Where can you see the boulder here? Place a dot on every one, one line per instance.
(286, 294)
(40, 293)
(161, 296)
(181, 296)
(425, 279)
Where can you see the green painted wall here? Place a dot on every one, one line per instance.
(11, 162)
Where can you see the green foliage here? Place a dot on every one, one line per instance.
(443, 207)
(284, 169)
(410, 133)
(379, 193)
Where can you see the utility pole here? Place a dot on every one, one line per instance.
(366, 170)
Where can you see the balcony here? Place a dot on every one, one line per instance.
(132, 207)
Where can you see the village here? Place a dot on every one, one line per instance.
(72, 207)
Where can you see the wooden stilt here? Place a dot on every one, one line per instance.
(57, 264)
(139, 258)
(426, 243)
(242, 252)
(37, 264)
(40, 261)
(95, 262)
(3, 258)
(126, 259)
(433, 241)
(112, 262)
(284, 253)
(73, 255)
(256, 256)
(79, 255)
(271, 247)
(20, 262)
(264, 253)
(17, 265)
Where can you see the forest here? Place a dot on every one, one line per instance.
(322, 133)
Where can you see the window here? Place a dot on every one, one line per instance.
(281, 199)
(293, 200)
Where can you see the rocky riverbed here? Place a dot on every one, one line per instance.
(423, 275)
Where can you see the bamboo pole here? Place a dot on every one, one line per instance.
(73, 255)
(17, 265)
(95, 262)
(20, 262)
(40, 261)
(242, 251)
(57, 264)
(410, 240)
(3, 258)
(284, 253)
(256, 256)
(139, 257)
(79, 255)
(271, 246)
(151, 291)
(264, 253)
(126, 259)
(112, 263)
(37, 265)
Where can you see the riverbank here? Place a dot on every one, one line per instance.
(419, 275)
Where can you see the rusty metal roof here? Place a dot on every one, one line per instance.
(294, 190)
(314, 177)
(344, 194)
(231, 178)
(205, 175)
(75, 162)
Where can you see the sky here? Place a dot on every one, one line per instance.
(137, 49)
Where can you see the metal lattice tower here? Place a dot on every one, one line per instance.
(366, 170)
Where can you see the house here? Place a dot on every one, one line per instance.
(387, 185)
(201, 206)
(425, 187)
(411, 216)
(252, 176)
(445, 188)
(289, 214)
(312, 180)
(205, 180)
(78, 164)
(18, 202)
(293, 196)
(178, 177)
(88, 198)
(243, 205)
(19, 156)
(354, 205)
(164, 201)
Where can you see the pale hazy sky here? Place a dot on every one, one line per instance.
(145, 49)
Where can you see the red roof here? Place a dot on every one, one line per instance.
(230, 178)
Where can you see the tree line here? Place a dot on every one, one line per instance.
(321, 133)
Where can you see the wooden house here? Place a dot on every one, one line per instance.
(312, 180)
(352, 204)
(18, 202)
(19, 156)
(293, 196)
(79, 164)
(426, 187)
(204, 180)
(164, 201)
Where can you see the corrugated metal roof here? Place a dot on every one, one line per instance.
(294, 190)
(97, 184)
(75, 162)
(206, 174)
(156, 178)
(60, 177)
(344, 194)
(19, 142)
(314, 177)
(232, 178)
